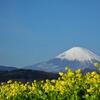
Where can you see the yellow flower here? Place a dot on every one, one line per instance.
(61, 73)
(10, 81)
(34, 81)
(78, 70)
(96, 64)
(93, 73)
(53, 81)
(90, 90)
(66, 68)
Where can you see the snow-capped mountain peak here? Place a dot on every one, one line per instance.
(79, 54)
(75, 58)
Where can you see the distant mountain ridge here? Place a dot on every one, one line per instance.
(26, 75)
(7, 68)
(74, 58)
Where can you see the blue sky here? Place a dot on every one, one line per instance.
(37, 30)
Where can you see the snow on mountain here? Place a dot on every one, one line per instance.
(74, 58)
(79, 54)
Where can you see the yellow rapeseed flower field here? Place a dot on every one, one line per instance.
(71, 85)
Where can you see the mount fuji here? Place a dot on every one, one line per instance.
(74, 58)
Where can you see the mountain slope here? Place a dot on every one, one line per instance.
(26, 75)
(74, 58)
(7, 68)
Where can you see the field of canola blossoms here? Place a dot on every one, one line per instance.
(69, 86)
